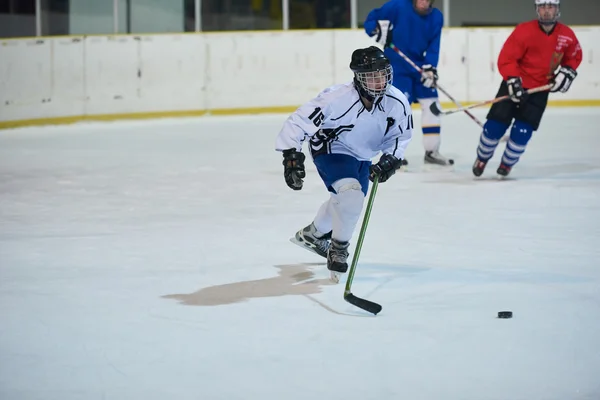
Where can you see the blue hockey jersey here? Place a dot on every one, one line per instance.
(415, 35)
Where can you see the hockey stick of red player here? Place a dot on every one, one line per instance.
(415, 66)
(434, 109)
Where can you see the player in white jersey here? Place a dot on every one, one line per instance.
(346, 126)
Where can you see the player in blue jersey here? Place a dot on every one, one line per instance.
(415, 28)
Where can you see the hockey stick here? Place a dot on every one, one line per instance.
(366, 305)
(438, 87)
(434, 109)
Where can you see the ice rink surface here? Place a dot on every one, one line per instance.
(150, 260)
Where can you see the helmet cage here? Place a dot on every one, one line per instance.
(375, 83)
(540, 3)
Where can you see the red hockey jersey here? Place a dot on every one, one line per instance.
(534, 55)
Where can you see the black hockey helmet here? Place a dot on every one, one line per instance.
(372, 72)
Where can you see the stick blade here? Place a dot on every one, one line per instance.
(366, 305)
(434, 109)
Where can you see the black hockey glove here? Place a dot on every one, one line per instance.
(293, 168)
(563, 79)
(429, 77)
(515, 89)
(385, 168)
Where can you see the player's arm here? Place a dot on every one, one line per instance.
(511, 54)
(393, 147)
(508, 63)
(378, 22)
(399, 135)
(573, 54)
(567, 72)
(432, 54)
(303, 123)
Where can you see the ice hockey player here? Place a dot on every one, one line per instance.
(346, 126)
(537, 53)
(415, 28)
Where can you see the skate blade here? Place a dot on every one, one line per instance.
(334, 276)
(301, 244)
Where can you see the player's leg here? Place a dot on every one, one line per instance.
(348, 179)
(527, 120)
(431, 125)
(498, 120)
(520, 133)
(316, 236)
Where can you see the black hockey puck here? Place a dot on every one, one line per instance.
(504, 314)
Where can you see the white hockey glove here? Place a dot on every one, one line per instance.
(429, 77)
(515, 89)
(383, 33)
(563, 79)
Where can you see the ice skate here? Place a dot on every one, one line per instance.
(479, 167)
(337, 259)
(503, 170)
(434, 157)
(307, 239)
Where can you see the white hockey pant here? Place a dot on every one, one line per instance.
(431, 124)
(341, 212)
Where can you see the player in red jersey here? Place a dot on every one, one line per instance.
(536, 53)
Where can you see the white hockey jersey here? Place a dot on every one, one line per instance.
(336, 121)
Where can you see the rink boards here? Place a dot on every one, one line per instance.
(72, 78)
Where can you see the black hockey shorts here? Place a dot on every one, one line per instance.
(529, 111)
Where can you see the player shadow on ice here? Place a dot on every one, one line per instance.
(292, 280)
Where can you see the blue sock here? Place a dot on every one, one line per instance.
(488, 141)
(520, 134)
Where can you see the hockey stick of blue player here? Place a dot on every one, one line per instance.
(366, 305)
(415, 66)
